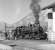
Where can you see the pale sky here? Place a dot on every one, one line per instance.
(12, 10)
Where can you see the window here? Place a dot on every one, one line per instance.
(50, 16)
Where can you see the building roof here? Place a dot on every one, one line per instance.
(46, 3)
(50, 6)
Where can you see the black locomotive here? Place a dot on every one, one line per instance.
(30, 32)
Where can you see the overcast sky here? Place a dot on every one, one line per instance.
(12, 10)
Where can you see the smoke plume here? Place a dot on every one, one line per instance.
(35, 9)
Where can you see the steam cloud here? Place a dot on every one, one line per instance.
(35, 8)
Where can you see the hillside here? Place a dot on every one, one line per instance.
(25, 20)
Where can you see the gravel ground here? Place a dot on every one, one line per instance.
(29, 44)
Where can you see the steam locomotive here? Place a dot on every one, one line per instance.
(30, 32)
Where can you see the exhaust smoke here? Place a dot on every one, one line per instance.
(35, 9)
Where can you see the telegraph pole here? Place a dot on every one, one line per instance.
(5, 27)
